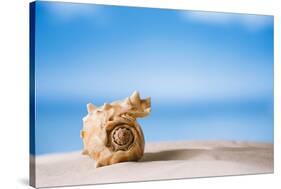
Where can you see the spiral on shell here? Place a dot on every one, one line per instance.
(122, 138)
(111, 133)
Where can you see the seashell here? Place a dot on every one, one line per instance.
(111, 133)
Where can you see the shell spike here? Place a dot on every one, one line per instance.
(135, 98)
(106, 106)
(146, 103)
(91, 107)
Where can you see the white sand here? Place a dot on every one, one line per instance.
(165, 160)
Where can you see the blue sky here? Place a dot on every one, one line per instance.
(207, 67)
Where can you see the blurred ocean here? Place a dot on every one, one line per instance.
(58, 123)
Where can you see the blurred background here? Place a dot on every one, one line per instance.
(209, 75)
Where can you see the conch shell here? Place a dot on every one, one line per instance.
(111, 133)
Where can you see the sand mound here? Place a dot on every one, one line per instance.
(165, 160)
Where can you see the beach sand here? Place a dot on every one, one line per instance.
(162, 160)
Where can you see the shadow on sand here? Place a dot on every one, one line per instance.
(222, 153)
(179, 154)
